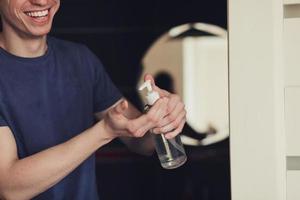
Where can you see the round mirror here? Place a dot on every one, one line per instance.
(191, 60)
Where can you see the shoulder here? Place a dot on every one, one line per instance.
(71, 50)
(76, 53)
(65, 45)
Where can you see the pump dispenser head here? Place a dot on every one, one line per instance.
(152, 96)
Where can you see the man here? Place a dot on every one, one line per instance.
(49, 92)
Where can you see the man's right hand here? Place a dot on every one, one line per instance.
(117, 124)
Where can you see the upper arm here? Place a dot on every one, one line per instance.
(8, 150)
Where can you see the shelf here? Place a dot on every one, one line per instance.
(292, 10)
(291, 2)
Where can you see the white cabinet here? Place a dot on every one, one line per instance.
(292, 120)
(293, 181)
(291, 51)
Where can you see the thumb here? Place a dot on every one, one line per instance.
(162, 93)
(121, 107)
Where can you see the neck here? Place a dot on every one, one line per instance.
(23, 46)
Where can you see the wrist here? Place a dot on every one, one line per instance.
(103, 131)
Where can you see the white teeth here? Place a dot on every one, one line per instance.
(38, 13)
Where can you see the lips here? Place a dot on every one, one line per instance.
(39, 17)
(38, 14)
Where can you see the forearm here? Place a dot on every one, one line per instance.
(34, 174)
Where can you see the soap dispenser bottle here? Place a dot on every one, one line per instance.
(170, 152)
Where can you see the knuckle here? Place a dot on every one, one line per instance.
(181, 104)
(168, 128)
(171, 117)
(180, 129)
(177, 122)
(161, 123)
(135, 134)
(152, 119)
(131, 129)
(157, 131)
(165, 100)
(184, 112)
(175, 97)
(138, 133)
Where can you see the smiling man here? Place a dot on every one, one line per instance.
(50, 93)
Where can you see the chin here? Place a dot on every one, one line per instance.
(40, 32)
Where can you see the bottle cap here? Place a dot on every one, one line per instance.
(152, 96)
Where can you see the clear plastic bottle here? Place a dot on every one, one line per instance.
(170, 152)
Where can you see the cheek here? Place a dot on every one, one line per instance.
(17, 15)
(57, 5)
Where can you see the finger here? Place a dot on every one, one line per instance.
(171, 126)
(179, 107)
(149, 77)
(176, 131)
(151, 117)
(174, 100)
(161, 92)
(158, 111)
(149, 120)
(143, 130)
(121, 107)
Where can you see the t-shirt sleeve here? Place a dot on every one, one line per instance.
(105, 92)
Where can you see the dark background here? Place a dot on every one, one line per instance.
(119, 32)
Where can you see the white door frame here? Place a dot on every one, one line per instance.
(256, 100)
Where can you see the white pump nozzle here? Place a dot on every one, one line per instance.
(146, 84)
(152, 96)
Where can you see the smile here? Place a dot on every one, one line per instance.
(37, 14)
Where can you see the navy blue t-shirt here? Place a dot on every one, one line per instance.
(48, 100)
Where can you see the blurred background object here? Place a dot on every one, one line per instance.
(191, 60)
(121, 34)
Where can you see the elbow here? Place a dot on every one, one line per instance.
(7, 194)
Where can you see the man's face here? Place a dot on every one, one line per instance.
(31, 18)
